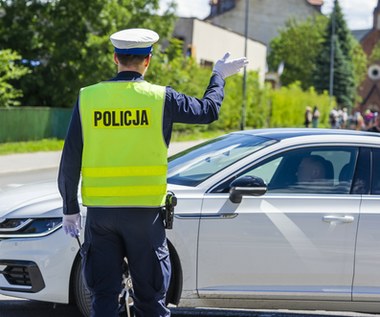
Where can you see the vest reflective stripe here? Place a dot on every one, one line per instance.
(124, 191)
(124, 171)
(124, 159)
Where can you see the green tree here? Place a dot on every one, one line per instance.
(10, 70)
(343, 49)
(297, 45)
(343, 81)
(66, 42)
(360, 62)
(350, 47)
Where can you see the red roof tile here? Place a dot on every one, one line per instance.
(315, 2)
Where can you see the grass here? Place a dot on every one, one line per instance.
(31, 146)
(57, 145)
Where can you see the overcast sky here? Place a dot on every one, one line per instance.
(358, 13)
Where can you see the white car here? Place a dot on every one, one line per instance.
(250, 230)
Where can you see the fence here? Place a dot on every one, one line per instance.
(33, 123)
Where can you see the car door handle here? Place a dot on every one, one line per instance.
(344, 219)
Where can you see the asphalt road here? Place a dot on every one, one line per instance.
(34, 171)
(10, 307)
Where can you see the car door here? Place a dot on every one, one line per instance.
(367, 256)
(295, 242)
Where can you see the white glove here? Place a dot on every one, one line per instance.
(72, 224)
(227, 68)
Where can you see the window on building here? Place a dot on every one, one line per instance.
(206, 63)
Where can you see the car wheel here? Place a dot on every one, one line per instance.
(82, 295)
(80, 292)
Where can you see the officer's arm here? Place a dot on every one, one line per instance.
(70, 166)
(187, 109)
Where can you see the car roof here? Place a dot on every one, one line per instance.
(286, 133)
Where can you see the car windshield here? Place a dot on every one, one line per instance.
(193, 166)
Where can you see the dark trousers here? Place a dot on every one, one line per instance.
(112, 234)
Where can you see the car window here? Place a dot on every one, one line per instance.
(314, 170)
(193, 166)
(376, 172)
(266, 171)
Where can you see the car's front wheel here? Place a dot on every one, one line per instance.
(80, 292)
(81, 295)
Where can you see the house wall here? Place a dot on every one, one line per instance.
(266, 17)
(209, 43)
(370, 40)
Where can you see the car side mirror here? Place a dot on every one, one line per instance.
(247, 186)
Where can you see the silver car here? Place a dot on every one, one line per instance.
(275, 218)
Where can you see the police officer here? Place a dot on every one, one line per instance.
(117, 141)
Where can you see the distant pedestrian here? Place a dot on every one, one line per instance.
(376, 126)
(315, 117)
(333, 118)
(368, 118)
(359, 121)
(308, 117)
(343, 118)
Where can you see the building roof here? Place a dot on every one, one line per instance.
(219, 7)
(360, 34)
(315, 2)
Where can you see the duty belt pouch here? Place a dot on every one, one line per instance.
(168, 210)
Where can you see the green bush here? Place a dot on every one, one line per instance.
(288, 105)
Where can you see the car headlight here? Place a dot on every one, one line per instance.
(29, 227)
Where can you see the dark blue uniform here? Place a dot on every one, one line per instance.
(135, 233)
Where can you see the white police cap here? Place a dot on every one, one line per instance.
(134, 41)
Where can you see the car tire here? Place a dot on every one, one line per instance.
(80, 292)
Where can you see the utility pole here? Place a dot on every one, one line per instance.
(332, 56)
(243, 108)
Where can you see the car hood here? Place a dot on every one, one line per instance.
(33, 200)
(40, 200)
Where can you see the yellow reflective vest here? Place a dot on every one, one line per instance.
(124, 159)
